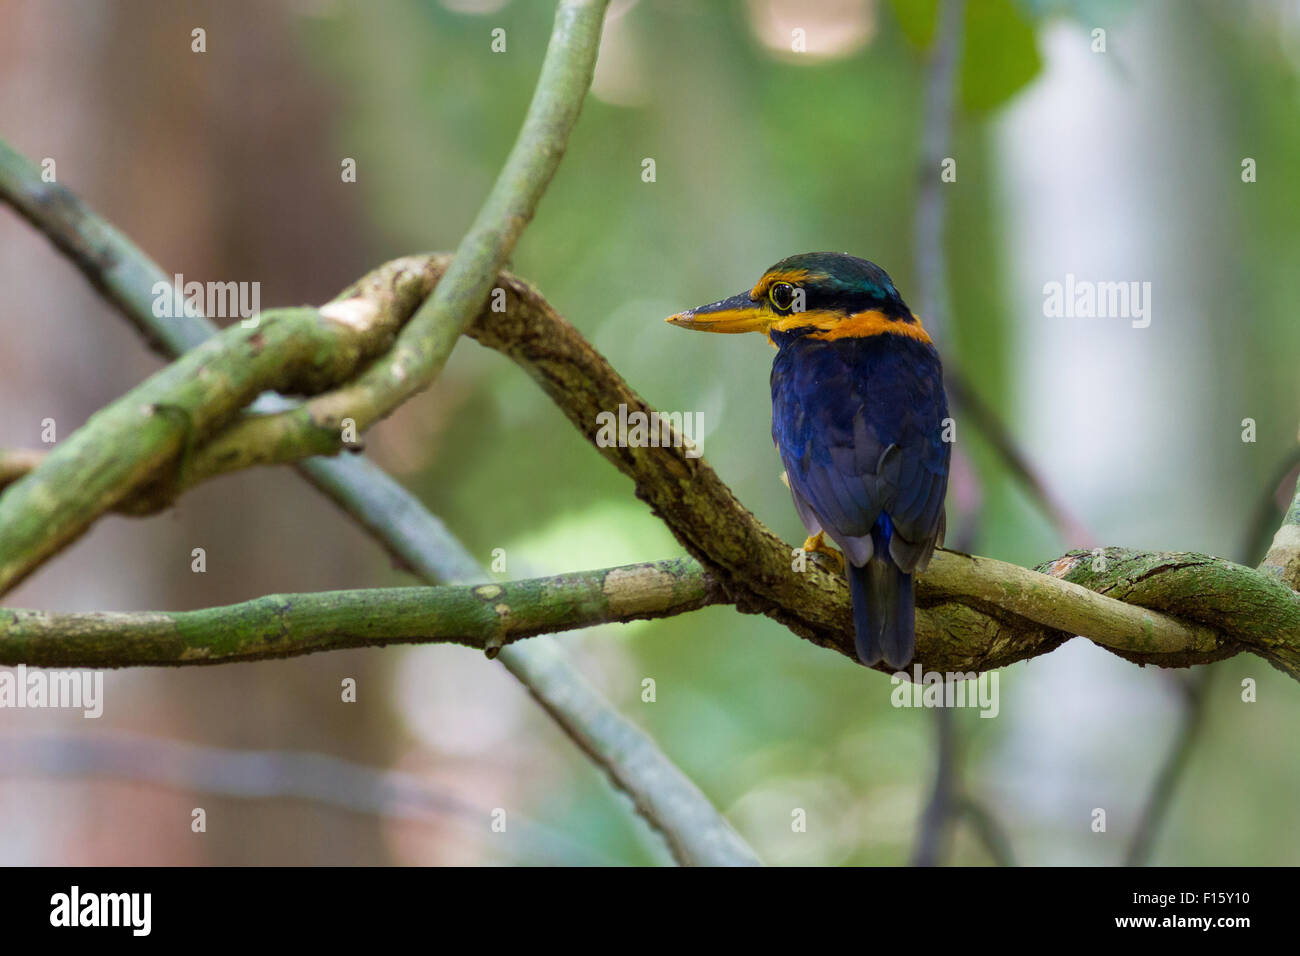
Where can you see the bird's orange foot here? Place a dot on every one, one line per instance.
(826, 556)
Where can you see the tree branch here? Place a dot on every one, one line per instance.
(16, 462)
(1194, 694)
(486, 616)
(974, 613)
(1283, 559)
(423, 348)
(129, 442)
(100, 466)
(669, 801)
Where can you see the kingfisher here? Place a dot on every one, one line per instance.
(859, 416)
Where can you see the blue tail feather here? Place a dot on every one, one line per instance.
(884, 610)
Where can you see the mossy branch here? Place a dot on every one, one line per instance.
(974, 613)
(151, 428)
(661, 793)
(486, 616)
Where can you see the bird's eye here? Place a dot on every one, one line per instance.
(781, 295)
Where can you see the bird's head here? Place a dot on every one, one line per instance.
(825, 295)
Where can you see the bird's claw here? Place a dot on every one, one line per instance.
(827, 557)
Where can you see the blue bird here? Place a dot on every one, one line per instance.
(858, 416)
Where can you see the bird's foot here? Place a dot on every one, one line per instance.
(828, 557)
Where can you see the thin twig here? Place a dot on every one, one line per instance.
(936, 139)
(936, 819)
(16, 462)
(1263, 523)
(988, 423)
(1159, 800)
(1282, 562)
(988, 830)
(669, 801)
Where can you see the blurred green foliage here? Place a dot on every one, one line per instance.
(999, 52)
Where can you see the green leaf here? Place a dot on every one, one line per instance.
(917, 19)
(999, 56)
(999, 52)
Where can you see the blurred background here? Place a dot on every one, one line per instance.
(1122, 165)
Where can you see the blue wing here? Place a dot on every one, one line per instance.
(859, 426)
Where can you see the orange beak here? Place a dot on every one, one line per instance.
(740, 313)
